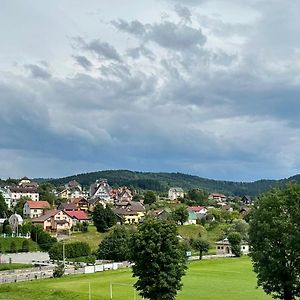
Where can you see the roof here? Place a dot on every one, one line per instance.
(46, 216)
(176, 189)
(226, 242)
(67, 206)
(72, 183)
(23, 189)
(38, 204)
(217, 195)
(77, 200)
(195, 208)
(132, 209)
(79, 215)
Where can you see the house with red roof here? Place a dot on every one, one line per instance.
(220, 198)
(34, 209)
(78, 216)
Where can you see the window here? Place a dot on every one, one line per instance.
(218, 247)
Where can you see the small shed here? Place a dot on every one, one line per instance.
(223, 247)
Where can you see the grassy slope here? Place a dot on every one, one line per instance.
(219, 279)
(92, 237)
(5, 243)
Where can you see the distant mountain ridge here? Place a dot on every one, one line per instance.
(162, 181)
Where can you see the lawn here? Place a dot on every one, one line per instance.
(92, 237)
(217, 279)
(6, 242)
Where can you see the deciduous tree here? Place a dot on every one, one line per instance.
(200, 245)
(235, 239)
(116, 245)
(159, 261)
(180, 214)
(103, 218)
(274, 238)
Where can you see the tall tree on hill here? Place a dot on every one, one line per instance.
(159, 261)
(149, 197)
(3, 207)
(103, 218)
(180, 214)
(274, 239)
(45, 191)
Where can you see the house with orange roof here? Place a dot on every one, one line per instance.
(34, 209)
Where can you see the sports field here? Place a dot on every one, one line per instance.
(217, 279)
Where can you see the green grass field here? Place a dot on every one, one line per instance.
(217, 279)
(6, 242)
(92, 237)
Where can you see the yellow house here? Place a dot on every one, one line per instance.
(129, 213)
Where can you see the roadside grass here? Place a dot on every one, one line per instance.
(217, 279)
(6, 242)
(4, 267)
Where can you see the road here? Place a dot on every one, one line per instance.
(24, 258)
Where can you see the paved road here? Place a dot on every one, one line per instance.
(24, 258)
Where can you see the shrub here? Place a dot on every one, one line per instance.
(25, 246)
(13, 247)
(59, 270)
(72, 250)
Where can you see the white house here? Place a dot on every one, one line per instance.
(16, 192)
(6, 197)
(34, 209)
(175, 193)
(100, 189)
(224, 247)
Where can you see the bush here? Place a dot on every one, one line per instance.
(59, 270)
(13, 247)
(25, 246)
(44, 239)
(72, 250)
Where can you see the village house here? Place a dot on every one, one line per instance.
(246, 200)
(123, 195)
(81, 203)
(71, 190)
(6, 196)
(129, 213)
(195, 213)
(34, 209)
(29, 190)
(54, 221)
(219, 198)
(66, 206)
(224, 247)
(78, 216)
(175, 193)
(100, 189)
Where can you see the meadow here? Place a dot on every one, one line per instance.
(217, 279)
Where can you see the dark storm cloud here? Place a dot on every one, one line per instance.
(37, 71)
(83, 61)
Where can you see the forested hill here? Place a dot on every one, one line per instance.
(163, 181)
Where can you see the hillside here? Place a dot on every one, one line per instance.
(161, 182)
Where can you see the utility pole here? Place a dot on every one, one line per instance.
(63, 244)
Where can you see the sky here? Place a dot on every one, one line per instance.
(209, 88)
